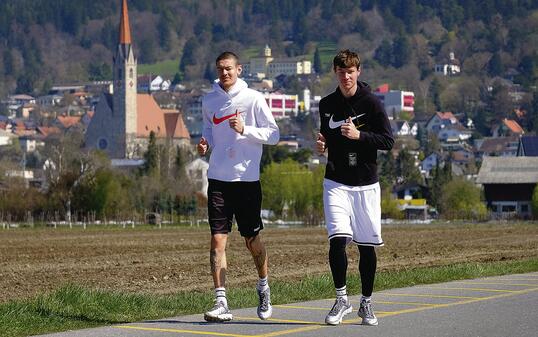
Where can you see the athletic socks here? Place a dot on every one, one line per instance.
(341, 293)
(366, 298)
(263, 284)
(220, 296)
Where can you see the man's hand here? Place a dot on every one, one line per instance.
(236, 123)
(202, 146)
(349, 130)
(320, 144)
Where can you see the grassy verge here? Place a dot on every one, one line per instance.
(74, 307)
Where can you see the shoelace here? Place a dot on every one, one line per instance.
(219, 305)
(264, 301)
(366, 306)
(336, 307)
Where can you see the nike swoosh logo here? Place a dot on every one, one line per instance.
(218, 120)
(334, 125)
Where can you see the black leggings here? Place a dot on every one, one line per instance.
(338, 263)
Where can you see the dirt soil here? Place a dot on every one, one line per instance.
(168, 260)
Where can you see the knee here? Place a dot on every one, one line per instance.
(337, 244)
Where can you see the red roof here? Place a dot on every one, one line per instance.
(513, 126)
(164, 123)
(48, 130)
(382, 88)
(125, 30)
(68, 121)
(446, 115)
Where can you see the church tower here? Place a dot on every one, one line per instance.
(125, 86)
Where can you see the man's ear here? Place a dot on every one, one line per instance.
(239, 69)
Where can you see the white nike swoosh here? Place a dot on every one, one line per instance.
(334, 125)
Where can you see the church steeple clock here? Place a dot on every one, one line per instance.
(125, 86)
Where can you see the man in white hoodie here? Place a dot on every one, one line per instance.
(237, 122)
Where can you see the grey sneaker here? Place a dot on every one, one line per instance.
(367, 313)
(265, 309)
(340, 308)
(219, 313)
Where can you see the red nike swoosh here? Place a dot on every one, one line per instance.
(217, 120)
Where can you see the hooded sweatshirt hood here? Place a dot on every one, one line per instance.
(234, 90)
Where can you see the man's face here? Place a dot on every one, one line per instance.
(347, 77)
(228, 70)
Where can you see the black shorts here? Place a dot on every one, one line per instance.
(242, 199)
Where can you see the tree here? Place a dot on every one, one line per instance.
(383, 53)
(461, 200)
(165, 32)
(401, 51)
(189, 54)
(292, 187)
(440, 176)
(406, 169)
(151, 156)
(317, 62)
(535, 202)
(495, 65)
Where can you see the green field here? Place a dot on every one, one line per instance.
(75, 307)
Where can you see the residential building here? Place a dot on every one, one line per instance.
(507, 127)
(429, 163)
(509, 185)
(403, 128)
(197, 172)
(441, 120)
(528, 146)
(396, 101)
(150, 83)
(498, 146)
(6, 137)
(449, 68)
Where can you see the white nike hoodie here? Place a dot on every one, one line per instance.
(236, 157)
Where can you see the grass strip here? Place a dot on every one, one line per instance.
(74, 307)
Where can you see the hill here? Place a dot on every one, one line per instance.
(44, 42)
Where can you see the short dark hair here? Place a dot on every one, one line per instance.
(346, 59)
(226, 56)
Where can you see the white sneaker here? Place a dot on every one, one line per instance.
(340, 308)
(367, 313)
(219, 313)
(265, 309)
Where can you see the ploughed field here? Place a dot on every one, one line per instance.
(169, 260)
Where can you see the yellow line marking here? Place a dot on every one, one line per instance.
(286, 332)
(429, 295)
(405, 303)
(278, 320)
(194, 332)
(316, 325)
(502, 284)
(299, 307)
(471, 300)
(473, 289)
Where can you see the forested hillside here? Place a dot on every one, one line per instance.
(57, 41)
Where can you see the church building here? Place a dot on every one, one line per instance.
(124, 118)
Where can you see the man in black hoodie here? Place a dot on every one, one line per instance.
(354, 126)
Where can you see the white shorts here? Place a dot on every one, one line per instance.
(353, 212)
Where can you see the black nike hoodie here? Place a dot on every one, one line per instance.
(354, 162)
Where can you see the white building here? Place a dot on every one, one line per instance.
(197, 172)
(267, 66)
(153, 83)
(396, 101)
(452, 67)
(282, 106)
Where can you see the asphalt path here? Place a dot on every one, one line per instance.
(498, 306)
